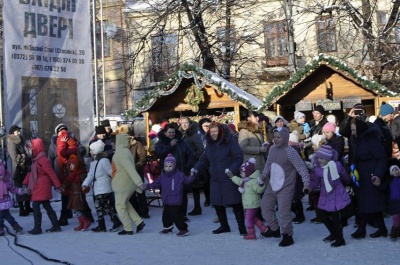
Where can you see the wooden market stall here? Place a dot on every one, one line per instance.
(328, 82)
(196, 93)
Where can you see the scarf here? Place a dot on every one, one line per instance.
(3, 189)
(34, 173)
(330, 167)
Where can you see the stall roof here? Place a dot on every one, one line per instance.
(334, 64)
(201, 77)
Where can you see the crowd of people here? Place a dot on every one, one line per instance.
(262, 171)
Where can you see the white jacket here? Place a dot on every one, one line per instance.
(102, 183)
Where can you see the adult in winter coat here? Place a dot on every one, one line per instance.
(251, 143)
(100, 175)
(39, 181)
(101, 134)
(282, 165)
(125, 181)
(204, 176)
(192, 138)
(332, 139)
(170, 142)
(21, 161)
(371, 162)
(223, 153)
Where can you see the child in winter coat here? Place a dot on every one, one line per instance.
(77, 198)
(39, 181)
(171, 182)
(394, 199)
(251, 190)
(329, 174)
(6, 202)
(100, 175)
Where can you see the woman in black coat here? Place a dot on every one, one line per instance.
(223, 153)
(371, 163)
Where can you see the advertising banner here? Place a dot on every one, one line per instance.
(48, 67)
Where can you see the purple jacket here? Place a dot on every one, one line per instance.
(171, 184)
(338, 198)
(7, 186)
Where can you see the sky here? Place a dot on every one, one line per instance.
(201, 247)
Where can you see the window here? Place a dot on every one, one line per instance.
(106, 39)
(276, 40)
(326, 34)
(164, 56)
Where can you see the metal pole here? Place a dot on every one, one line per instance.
(102, 59)
(2, 128)
(96, 68)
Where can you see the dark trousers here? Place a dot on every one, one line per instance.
(332, 221)
(6, 215)
(172, 214)
(37, 214)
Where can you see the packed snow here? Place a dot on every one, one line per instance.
(200, 247)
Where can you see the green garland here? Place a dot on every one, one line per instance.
(278, 91)
(166, 85)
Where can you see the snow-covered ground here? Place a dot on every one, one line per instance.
(200, 247)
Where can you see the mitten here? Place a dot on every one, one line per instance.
(193, 171)
(22, 190)
(306, 189)
(260, 181)
(241, 190)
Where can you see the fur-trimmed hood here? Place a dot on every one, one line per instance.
(250, 126)
(162, 137)
(16, 139)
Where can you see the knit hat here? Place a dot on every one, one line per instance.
(105, 123)
(320, 109)
(294, 137)
(386, 109)
(232, 127)
(60, 127)
(298, 115)
(249, 167)
(331, 118)
(170, 159)
(359, 106)
(13, 129)
(276, 119)
(100, 129)
(392, 168)
(97, 147)
(324, 152)
(329, 127)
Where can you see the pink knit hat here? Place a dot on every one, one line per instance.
(329, 127)
(249, 167)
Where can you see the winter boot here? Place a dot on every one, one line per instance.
(223, 220)
(331, 228)
(239, 214)
(53, 219)
(339, 240)
(63, 221)
(362, 223)
(22, 211)
(101, 227)
(297, 208)
(117, 224)
(197, 208)
(394, 233)
(251, 234)
(382, 230)
(88, 214)
(261, 226)
(37, 229)
(85, 222)
(271, 233)
(286, 241)
(18, 229)
(79, 227)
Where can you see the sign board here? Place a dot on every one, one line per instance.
(348, 103)
(47, 51)
(304, 105)
(330, 104)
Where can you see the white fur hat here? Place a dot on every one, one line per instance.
(97, 147)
